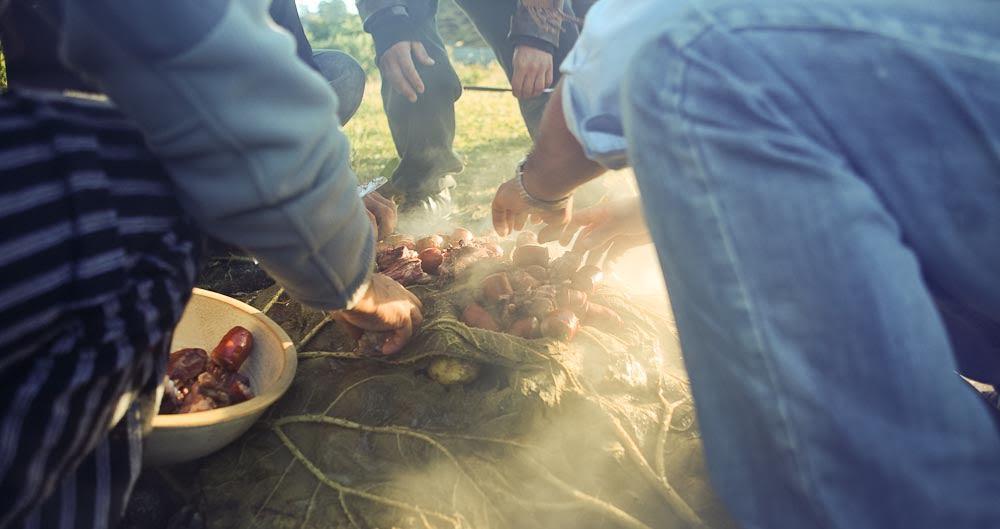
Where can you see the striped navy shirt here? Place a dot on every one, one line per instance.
(96, 264)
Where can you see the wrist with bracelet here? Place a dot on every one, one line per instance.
(538, 203)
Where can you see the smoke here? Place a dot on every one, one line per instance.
(584, 463)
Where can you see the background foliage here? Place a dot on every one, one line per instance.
(331, 26)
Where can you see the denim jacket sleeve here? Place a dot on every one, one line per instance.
(247, 132)
(594, 69)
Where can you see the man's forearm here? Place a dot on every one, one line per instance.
(557, 165)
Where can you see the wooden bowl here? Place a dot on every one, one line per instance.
(270, 368)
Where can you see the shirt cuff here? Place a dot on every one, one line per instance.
(534, 42)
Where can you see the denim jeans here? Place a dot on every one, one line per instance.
(822, 181)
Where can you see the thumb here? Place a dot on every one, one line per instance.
(398, 339)
(352, 330)
(420, 53)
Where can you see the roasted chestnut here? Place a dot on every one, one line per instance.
(560, 324)
(530, 255)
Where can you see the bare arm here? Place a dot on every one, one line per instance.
(556, 166)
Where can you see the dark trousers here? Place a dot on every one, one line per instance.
(424, 132)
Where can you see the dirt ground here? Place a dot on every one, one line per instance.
(171, 497)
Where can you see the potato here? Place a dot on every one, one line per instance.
(449, 371)
(476, 316)
(431, 241)
(462, 237)
(560, 324)
(431, 259)
(530, 255)
(496, 287)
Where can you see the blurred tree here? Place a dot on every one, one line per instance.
(331, 26)
(456, 28)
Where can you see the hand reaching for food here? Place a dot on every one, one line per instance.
(383, 213)
(603, 232)
(386, 308)
(513, 204)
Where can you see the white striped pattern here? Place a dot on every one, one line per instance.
(83, 186)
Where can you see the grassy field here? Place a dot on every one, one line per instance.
(490, 138)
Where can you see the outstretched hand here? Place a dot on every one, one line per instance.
(511, 210)
(382, 213)
(385, 307)
(604, 232)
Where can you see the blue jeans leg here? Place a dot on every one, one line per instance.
(815, 175)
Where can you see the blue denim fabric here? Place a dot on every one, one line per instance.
(821, 179)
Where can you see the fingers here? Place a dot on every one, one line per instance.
(540, 83)
(398, 82)
(618, 248)
(416, 317)
(374, 221)
(384, 211)
(597, 236)
(401, 335)
(410, 74)
(550, 232)
(399, 338)
(420, 53)
(352, 330)
(548, 77)
(596, 254)
(520, 219)
(571, 231)
(397, 68)
(517, 81)
(500, 223)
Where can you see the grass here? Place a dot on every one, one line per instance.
(490, 137)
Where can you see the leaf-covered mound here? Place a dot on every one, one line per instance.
(592, 433)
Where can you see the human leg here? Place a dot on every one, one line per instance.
(492, 20)
(812, 171)
(424, 132)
